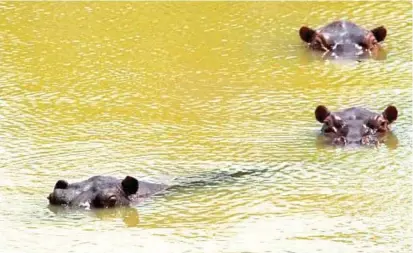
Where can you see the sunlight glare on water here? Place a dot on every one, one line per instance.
(168, 90)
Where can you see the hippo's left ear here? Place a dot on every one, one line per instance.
(321, 113)
(130, 185)
(379, 33)
(390, 113)
(307, 34)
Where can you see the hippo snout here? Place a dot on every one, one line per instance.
(343, 141)
(347, 49)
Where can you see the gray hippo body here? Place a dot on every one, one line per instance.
(103, 192)
(355, 125)
(107, 191)
(344, 39)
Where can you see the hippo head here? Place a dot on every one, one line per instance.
(344, 39)
(96, 192)
(355, 125)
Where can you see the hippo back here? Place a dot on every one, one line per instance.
(147, 189)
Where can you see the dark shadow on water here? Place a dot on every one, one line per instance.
(129, 215)
(216, 178)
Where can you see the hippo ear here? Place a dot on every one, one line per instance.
(61, 184)
(390, 113)
(307, 34)
(321, 113)
(130, 185)
(379, 33)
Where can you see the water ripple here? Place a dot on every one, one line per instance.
(180, 92)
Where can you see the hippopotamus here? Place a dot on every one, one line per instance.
(355, 125)
(108, 191)
(344, 39)
(102, 192)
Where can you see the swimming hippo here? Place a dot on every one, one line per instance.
(355, 125)
(102, 192)
(344, 39)
(107, 191)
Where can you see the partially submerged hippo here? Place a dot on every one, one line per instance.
(355, 125)
(344, 39)
(102, 192)
(107, 191)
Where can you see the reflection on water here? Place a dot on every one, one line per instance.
(313, 55)
(161, 90)
(128, 215)
(390, 141)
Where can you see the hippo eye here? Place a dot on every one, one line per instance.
(111, 201)
(362, 45)
(101, 201)
(369, 124)
(321, 43)
(329, 127)
(373, 123)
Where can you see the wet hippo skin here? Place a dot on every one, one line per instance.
(355, 125)
(102, 192)
(344, 39)
(107, 191)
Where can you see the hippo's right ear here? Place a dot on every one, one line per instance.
(390, 113)
(307, 34)
(321, 113)
(379, 33)
(130, 185)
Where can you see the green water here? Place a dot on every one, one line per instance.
(168, 90)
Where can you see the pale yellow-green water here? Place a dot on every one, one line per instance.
(170, 90)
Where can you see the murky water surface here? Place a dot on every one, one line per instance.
(164, 91)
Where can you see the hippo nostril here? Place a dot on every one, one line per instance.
(356, 142)
(347, 49)
(340, 141)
